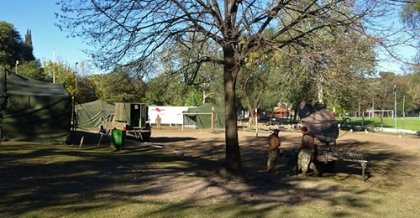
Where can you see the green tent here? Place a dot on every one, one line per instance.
(202, 115)
(93, 114)
(34, 110)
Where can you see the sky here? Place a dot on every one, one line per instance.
(50, 43)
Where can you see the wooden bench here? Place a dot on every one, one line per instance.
(325, 156)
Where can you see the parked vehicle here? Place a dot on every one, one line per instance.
(133, 118)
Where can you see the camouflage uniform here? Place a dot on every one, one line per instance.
(273, 150)
(307, 155)
(305, 162)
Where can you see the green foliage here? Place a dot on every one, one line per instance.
(13, 49)
(27, 49)
(32, 70)
(194, 98)
(332, 69)
(255, 84)
(10, 45)
(62, 73)
(86, 90)
(98, 84)
(193, 84)
(413, 90)
(384, 91)
(379, 93)
(171, 90)
(119, 86)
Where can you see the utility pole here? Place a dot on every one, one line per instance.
(73, 100)
(403, 112)
(16, 65)
(53, 66)
(395, 107)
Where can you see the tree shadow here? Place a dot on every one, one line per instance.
(170, 139)
(91, 138)
(36, 176)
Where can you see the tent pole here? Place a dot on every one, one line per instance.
(4, 103)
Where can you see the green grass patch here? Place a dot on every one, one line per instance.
(411, 123)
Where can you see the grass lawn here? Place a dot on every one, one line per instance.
(409, 123)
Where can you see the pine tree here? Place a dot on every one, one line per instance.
(27, 49)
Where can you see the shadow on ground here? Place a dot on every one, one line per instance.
(37, 176)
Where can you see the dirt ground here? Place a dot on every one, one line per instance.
(393, 168)
(393, 159)
(183, 167)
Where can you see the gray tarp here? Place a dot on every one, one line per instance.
(320, 121)
(35, 110)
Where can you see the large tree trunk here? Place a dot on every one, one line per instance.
(320, 88)
(233, 157)
(252, 114)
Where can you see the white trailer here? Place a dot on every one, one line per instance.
(169, 115)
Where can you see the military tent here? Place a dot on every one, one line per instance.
(34, 110)
(202, 115)
(93, 114)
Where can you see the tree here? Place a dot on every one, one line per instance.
(258, 82)
(339, 63)
(413, 89)
(171, 90)
(384, 99)
(410, 14)
(135, 30)
(120, 86)
(296, 82)
(33, 70)
(17, 53)
(181, 88)
(86, 90)
(10, 44)
(252, 88)
(63, 74)
(27, 48)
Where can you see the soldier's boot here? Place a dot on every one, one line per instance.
(312, 166)
(269, 165)
(304, 171)
(316, 172)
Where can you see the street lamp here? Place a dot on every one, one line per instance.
(75, 77)
(17, 62)
(73, 101)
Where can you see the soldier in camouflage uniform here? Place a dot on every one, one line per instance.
(307, 154)
(273, 149)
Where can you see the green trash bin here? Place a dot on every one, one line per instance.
(118, 138)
